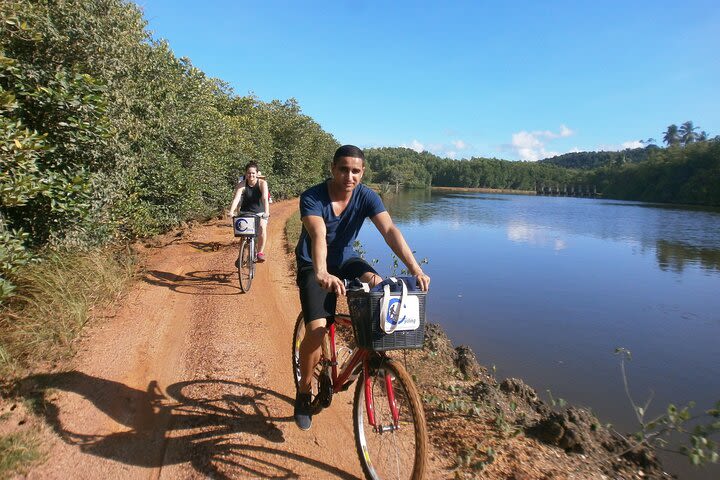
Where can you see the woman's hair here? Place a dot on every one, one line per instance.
(348, 151)
(251, 164)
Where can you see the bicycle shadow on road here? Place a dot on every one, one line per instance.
(218, 427)
(204, 282)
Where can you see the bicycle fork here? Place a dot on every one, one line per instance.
(370, 405)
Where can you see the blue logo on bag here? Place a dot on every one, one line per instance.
(241, 224)
(393, 315)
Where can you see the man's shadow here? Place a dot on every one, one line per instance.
(201, 422)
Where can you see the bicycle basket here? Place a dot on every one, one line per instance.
(365, 313)
(246, 225)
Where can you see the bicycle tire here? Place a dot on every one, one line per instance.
(298, 334)
(253, 257)
(394, 454)
(345, 342)
(245, 265)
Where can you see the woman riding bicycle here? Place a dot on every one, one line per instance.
(252, 196)
(332, 213)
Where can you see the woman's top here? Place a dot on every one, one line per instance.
(252, 199)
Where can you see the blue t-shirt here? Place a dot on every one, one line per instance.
(341, 230)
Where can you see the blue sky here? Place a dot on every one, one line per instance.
(521, 81)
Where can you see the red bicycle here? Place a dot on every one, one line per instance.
(388, 417)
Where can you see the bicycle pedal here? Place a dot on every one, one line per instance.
(325, 391)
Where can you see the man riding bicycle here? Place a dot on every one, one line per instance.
(252, 196)
(332, 213)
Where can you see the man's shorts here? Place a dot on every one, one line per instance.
(319, 303)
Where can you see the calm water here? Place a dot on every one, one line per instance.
(545, 289)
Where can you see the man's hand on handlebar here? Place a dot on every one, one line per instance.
(331, 283)
(423, 281)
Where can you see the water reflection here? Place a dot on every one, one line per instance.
(680, 236)
(677, 256)
(531, 235)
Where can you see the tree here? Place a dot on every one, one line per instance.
(671, 136)
(687, 133)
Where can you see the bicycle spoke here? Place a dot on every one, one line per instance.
(389, 449)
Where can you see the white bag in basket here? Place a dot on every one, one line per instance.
(399, 311)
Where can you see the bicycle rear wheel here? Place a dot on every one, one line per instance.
(298, 335)
(246, 264)
(344, 343)
(392, 449)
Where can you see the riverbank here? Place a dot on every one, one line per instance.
(483, 190)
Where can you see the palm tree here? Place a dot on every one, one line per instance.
(687, 132)
(703, 136)
(671, 136)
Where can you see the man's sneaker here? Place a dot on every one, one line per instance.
(303, 411)
(260, 257)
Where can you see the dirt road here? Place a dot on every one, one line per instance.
(191, 378)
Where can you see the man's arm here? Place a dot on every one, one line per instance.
(315, 227)
(239, 188)
(395, 240)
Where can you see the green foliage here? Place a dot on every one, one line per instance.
(592, 160)
(699, 430)
(54, 300)
(105, 135)
(474, 459)
(556, 402)
(18, 451)
(13, 256)
(420, 170)
(689, 175)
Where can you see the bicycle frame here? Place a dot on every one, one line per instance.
(358, 356)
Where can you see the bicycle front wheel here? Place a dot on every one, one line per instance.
(246, 265)
(396, 447)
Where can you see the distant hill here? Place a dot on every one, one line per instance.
(591, 160)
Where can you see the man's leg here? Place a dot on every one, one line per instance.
(318, 305)
(371, 278)
(310, 351)
(358, 268)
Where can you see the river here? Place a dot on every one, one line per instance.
(546, 288)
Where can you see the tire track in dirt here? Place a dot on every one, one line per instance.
(192, 379)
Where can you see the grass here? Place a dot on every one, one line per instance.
(293, 227)
(18, 451)
(55, 299)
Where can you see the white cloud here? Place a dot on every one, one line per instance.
(530, 146)
(414, 145)
(445, 150)
(622, 146)
(632, 144)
